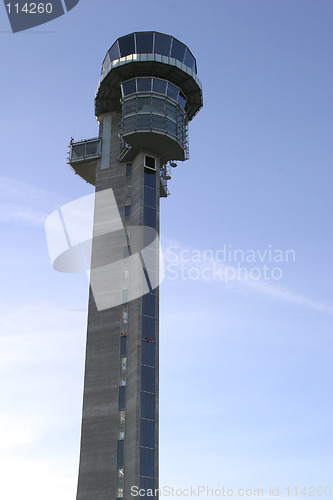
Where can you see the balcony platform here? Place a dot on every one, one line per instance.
(83, 157)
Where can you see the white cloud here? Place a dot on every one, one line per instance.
(24, 203)
(180, 260)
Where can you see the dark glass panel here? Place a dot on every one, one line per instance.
(147, 433)
(92, 148)
(159, 86)
(129, 123)
(147, 405)
(149, 217)
(182, 100)
(122, 398)
(158, 122)
(120, 454)
(146, 483)
(148, 328)
(172, 91)
(144, 43)
(147, 462)
(147, 378)
(127, 210)
(158, 106)
(178, 50)
(189, 60)
(144, 84)
(171, 110)
(129, 107)
(148, 300)
(149, 197)
(114, 52)
(128, 169)
(78, 150)
(162, 44)
(148, 352)
(150, 179)
(171, 127)
(144, 104)
(129, 87)
(106, 62)
(150, 162)
(144, 121)
(123, 346)
(126, 45)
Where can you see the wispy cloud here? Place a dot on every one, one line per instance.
(24, 203)
(212, 271)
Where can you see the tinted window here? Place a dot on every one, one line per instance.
(147, 433)
(171, 110)
(78, 150)
(189, 60)
(162, 44)
(120, 454)
(148, 301)
(123, 346)
(129, 123)
(126, 45)
(150, 162)
(150, 179)
(148, 328)
(147, 465)
(144, 84)
(144, 104)
(128, 169)
(146, 483)
(147, 379)
(178, 50)
(114, 52)
(149, 217)
(129, 87)
(144, 121)
(144, 43)
(157, 105)
(127, 211)
(172, 91)
(159, 86)
(92, 148)
(182, 100)
(150, 197)
(147, 405)
(129, 107)
(158, 122)
(171, 127)
(121, 398)
(106, 62)
(148, 352)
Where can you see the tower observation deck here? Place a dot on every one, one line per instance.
(147, 93)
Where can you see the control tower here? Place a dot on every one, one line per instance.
(147, 93)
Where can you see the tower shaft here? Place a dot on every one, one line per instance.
(119, 438)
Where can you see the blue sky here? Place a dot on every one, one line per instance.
(245, 383)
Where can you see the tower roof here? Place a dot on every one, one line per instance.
(148, 53)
